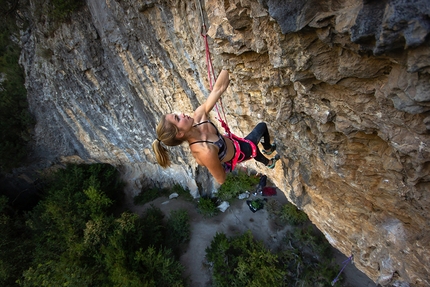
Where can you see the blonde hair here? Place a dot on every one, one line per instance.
(166, 134)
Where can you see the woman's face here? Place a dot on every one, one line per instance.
(181, 121)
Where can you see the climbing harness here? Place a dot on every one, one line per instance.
(239, 156)
(350, 258)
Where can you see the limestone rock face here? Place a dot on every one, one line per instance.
(343, 85)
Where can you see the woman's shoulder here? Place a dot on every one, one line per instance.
(200, 113)
(204, 153)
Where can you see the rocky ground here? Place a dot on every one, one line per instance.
(234, 221)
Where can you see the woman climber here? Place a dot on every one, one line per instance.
(211, 149)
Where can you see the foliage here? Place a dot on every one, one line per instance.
(15, 120)
(178, 229)
(235, 184)
(308, 257)
(241, 261)
(72, 181)
(153, 227)
(291, 214)
(55, 12)
(15, 244)
(182, 192)
(74, 237)
(148, 194)
(286, 214)
(273, 208)
(61, 9)
(207, 207)
(132, 260)
(77, 240)
(158, 268)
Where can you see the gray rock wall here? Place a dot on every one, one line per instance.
(343, 86)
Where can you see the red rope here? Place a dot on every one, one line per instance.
(211, 72)
(212, 79)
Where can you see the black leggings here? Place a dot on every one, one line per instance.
(260, 131)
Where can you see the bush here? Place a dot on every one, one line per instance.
(74, 179)
(241, 261)
(273, 208)
(309, 258)
(147, 195)
(235, 184)
(153, 227)
(182, 192)
(291, 214)
(15, 244)
(81, 242)
(207, 207)
(158, 268)
(178, 229)
(61, 9)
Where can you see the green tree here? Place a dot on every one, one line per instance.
(82, 242)
(235, 184)
(242, 261)
(15, 244)
(159, 269)
(178, 230)
(308, 258)
(292, 215)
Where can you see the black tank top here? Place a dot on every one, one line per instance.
(220, 143)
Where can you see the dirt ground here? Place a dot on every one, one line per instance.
(234, 221)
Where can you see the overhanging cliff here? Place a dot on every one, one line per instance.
(343, 85)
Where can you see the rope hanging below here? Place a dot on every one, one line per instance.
(350, 259)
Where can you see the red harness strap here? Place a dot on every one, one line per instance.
(239, 156)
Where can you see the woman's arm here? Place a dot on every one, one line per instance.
(213, 164)
(219, 88)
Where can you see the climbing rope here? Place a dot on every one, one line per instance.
(239, 155)
(211, 73)
(350, 258)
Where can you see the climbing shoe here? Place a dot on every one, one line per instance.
(274, 160)
(271, 150)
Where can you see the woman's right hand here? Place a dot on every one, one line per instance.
(219, 88)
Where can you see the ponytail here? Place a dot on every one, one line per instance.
(161, 153)
(166, 136)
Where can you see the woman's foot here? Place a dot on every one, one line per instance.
(271, 150)
(273, 161)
